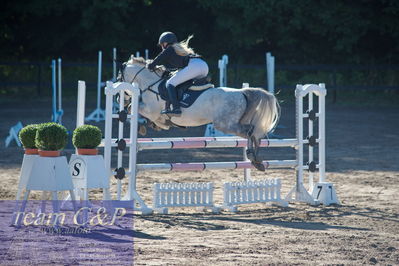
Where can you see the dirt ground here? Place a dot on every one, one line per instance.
(362, 162)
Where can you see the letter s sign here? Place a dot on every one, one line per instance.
(77, 168)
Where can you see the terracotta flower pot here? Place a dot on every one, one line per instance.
(87, 151)
(31, 151)
(49, 153)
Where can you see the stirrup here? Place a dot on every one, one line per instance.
(165, 111)
(175, 112)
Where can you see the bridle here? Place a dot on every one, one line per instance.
(149, 88)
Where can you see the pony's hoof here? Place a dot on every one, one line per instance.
(259, 166)
(154, 127)
(142, 130)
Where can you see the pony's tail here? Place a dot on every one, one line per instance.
(262, 112)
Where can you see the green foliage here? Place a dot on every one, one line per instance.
(51, 137)
(309, 31)
(27, 136)
(86, 137)
(306, 31)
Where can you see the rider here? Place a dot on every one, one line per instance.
(178, 56)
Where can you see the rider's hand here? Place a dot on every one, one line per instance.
(150, 66)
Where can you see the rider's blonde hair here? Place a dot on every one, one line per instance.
(182, 47)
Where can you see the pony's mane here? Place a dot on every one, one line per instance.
(142, 62)
(136, 60)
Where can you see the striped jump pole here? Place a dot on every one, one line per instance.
(200, 142)
(213, 165)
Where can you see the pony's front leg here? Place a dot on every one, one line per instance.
(161, 124)
(157, 126)
(156, 123)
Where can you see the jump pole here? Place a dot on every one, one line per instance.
(210, 130)
(54, 88)
(202, 143)
(100, 62)
(57, 111)
(222, 64)
(80, 112)
(98, 114)
(270, 77)
(114, 64)
(59, 89)
(270, 72)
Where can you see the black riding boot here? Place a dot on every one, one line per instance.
(173, 99)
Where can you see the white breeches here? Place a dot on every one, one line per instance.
(196, 68)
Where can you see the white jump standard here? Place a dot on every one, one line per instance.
(321, 192)
(120, 173)
(299, 192)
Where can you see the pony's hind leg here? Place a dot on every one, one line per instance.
(244, 131)
(252, 153)
(248, 130)
(250, 150)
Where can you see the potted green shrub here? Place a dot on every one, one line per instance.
(27, 137)
(86, 139)
(50, 139)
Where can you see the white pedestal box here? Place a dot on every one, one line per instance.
(88, 172)
(46, 174)
(325, 193)
(50, 174)
(26, 168)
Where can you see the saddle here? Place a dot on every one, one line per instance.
(187, 92)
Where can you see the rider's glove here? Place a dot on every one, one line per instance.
(150, 66)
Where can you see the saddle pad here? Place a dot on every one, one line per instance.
(186, 98)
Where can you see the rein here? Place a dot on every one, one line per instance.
(138, 72)
(149, 88)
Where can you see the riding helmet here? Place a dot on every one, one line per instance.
(168, 37)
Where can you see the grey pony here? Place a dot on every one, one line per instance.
(248, 112)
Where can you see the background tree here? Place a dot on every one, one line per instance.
(307, 31)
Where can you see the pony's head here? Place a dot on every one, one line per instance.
(135, 70)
